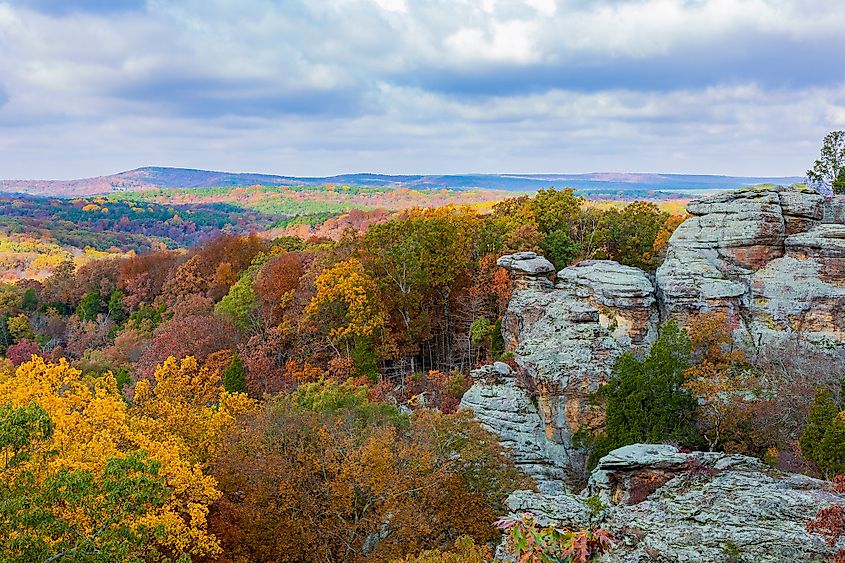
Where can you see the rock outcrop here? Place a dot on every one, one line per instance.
(667, 505)
(565, 339)
(772, 259)
(509, 410)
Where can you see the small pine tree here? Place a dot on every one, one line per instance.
(234, 378)
(822, 440)
(647, 401)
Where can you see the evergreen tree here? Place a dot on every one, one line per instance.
(559, 248)
(234, 378)
(30, 300)
(823, 440)
(646, 399)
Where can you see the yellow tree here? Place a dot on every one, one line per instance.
(93, 432)
(188, 404)
(719, 378)
(346, 304)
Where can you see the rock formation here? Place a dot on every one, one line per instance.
(773, 259)
(565, 339)
(666, 505)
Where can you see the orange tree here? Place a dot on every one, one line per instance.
(325, 474)
(719, 379)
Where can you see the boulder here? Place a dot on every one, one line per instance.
(667, 505)
(527, 268)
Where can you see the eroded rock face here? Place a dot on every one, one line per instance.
(505, 408)
(667, 505)
(624, 296)
(565, 339)
(772, 259)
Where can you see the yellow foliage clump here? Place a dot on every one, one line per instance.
(188, 404)
(346, 300)
(93, 423)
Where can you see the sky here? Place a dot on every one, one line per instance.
(320, 87)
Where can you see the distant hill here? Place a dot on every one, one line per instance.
(173, 178)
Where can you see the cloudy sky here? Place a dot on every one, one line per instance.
(317, 87)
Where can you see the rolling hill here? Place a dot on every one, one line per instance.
(147, 178)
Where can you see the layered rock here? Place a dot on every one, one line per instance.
(667, 505)
(624, 296)
(504, 406)
(565, 339)
(772, 259)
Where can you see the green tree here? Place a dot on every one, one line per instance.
(559, 247)
(629, 234)
(239, 304)
(823, 441)
(234, 377)
(556, 209)
(90, 305)
(646, 399)
(416, 263)
(19, 428)
(117, 312)
(828, 172)
(29, 301)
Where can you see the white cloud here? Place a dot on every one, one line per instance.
(733, 86)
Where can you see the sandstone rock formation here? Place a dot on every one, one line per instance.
(666, 505)
(624, 296)
(509, 410)
(565, 339)
(773, 259)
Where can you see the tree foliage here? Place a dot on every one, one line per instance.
(828, 171)
(93, 452)
(372, 484)
(823, 440)
(646, 399)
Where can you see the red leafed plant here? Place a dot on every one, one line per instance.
(532, 543)
(830, 521)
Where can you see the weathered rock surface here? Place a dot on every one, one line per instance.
(527, 268)
(772, 259)
(667, 505)
(624, 296)
(506, 409)
(565, 339)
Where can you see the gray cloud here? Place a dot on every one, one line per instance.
(745, 87)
